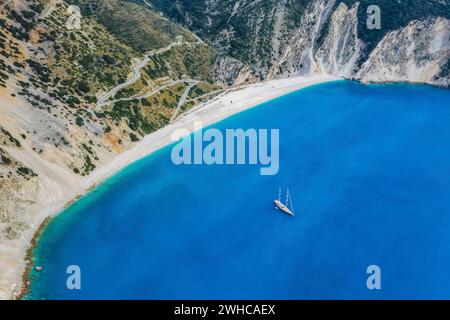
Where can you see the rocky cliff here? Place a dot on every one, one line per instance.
(279, 38)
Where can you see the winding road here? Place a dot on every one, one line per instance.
(104, 99)
(136, 75)
(192, 83)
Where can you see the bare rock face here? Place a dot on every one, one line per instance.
(18, 195)
(419, 52)
(416, 53)
(325, 42)
(298, 48)
(232, 72)
(288, 38)
(341, 49)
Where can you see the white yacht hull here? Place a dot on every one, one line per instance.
(283, 208)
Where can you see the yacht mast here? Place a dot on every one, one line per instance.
(292, 204)
(287, 198)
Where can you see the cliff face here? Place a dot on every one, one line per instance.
(230, 72)
(417, 53)
(341, 48)
(314, 50)
(279, 38)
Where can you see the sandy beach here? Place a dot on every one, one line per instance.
(12, 258)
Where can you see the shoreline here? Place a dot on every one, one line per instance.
(25, 284)
(210, 112)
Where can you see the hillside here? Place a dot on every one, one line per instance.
(280, 38)
(54, 130)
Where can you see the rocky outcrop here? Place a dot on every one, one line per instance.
(420, 52)
(416, 53)
(232, 72)
(298, 57)
(341, 48)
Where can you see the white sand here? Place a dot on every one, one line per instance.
(209, 113)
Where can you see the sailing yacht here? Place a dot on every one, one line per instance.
(285, 207)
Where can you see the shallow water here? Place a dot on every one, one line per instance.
(368, 168)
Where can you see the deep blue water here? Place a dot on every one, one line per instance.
(369, 172)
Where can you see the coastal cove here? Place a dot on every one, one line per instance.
(368, 169)
(14, 264)
(224, 150)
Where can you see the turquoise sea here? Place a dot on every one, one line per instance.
(368, 168)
